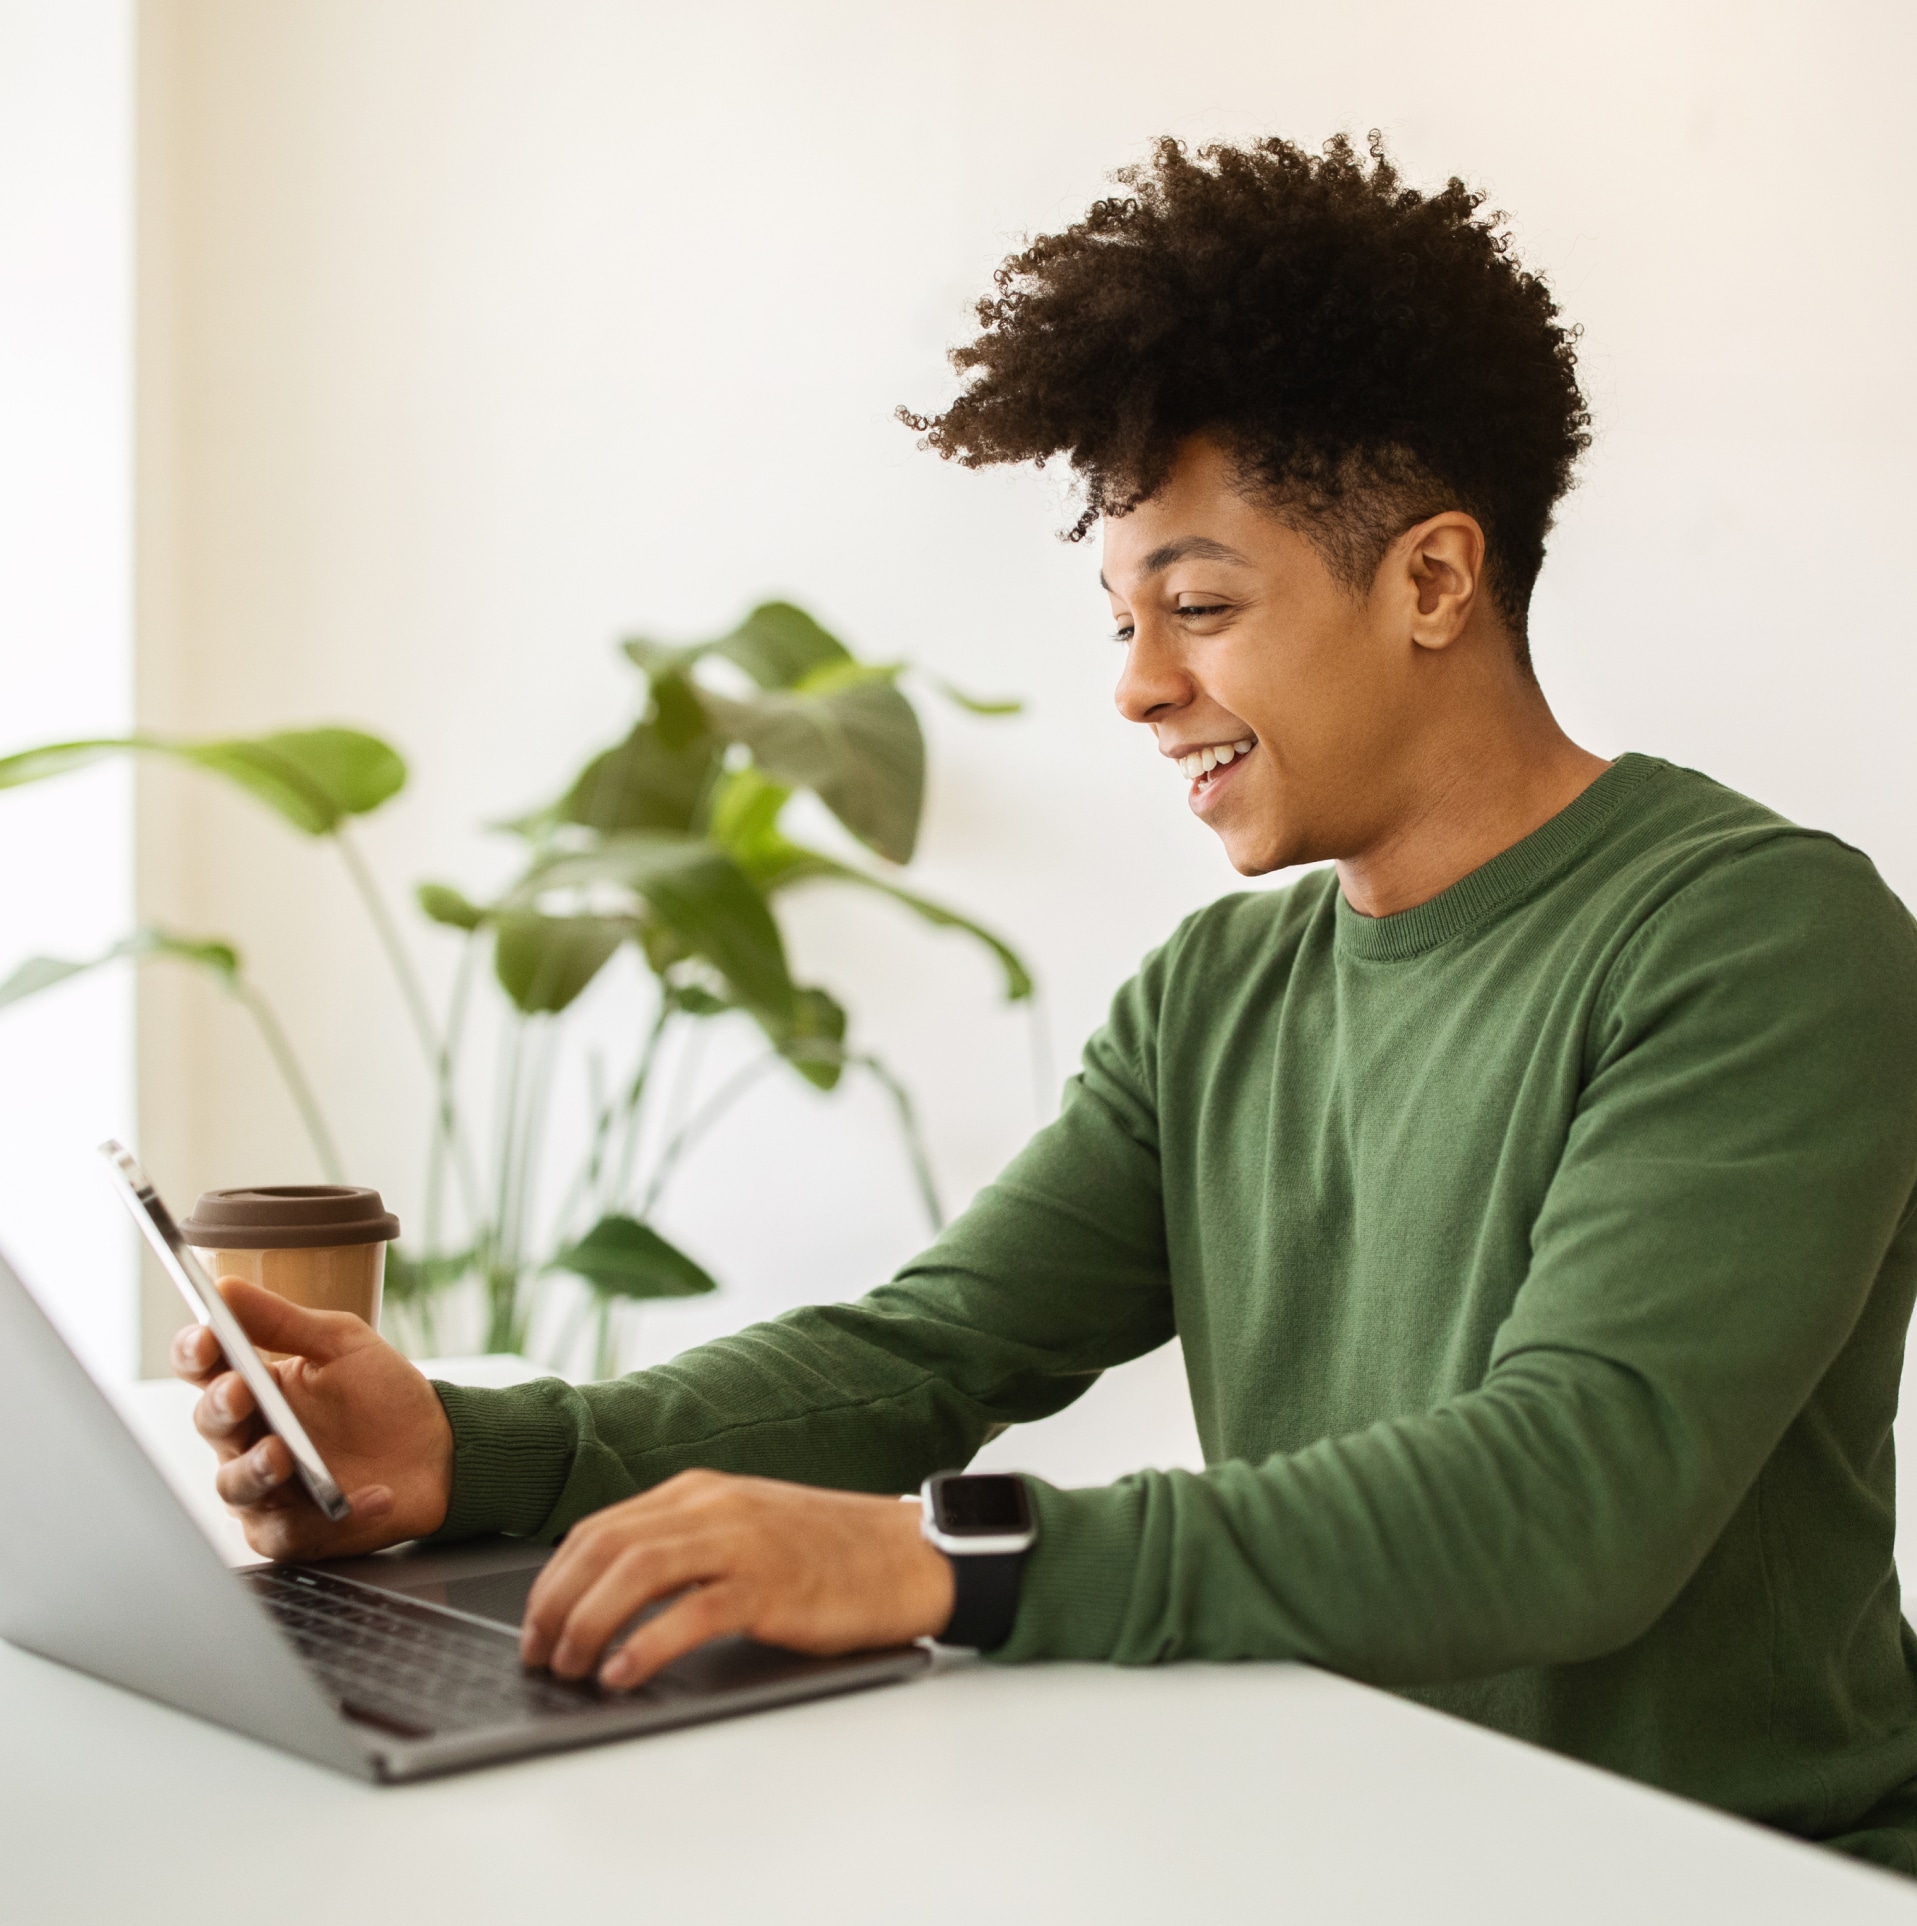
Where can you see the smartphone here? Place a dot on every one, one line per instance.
(176, 1256)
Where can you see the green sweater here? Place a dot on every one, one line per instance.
(1542, 1257)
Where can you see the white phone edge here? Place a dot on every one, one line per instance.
(204, 1301)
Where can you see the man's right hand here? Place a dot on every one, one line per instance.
(371, 1415)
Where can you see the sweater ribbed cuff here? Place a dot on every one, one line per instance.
(1077, 1584)
(512, 1452)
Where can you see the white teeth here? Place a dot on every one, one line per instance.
(1201, 762)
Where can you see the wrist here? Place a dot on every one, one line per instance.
(925, 1576)
(434, 1487)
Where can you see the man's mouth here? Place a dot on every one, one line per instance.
(1203, 767)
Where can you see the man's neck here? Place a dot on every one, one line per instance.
(1472, 800)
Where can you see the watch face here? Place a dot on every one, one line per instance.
(984, 1506)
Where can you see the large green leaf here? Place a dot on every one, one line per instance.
(778, 645)
(621, 1257)
(312, 777)
(208, 952)
(56, 758)
(412, 1279)
(774, 864)
(745, 812)
(700, 894)
(745, 815)
(446, 905)
(39, 973)
(645, 782)
(850, 737)
(658, 659)
(544, 962)
(677, 713)
(816, 1042)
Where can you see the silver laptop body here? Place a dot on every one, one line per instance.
(102, 1568)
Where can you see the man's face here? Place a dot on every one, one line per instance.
(1242, 647)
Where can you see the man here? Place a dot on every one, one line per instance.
(1531, 1189)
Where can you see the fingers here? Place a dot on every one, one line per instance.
(572, 1570)
(819, 1571)
(195, 1354)
(553, 1632)
(275, 1323)
(227, 1416)
(708, 1611)
(290, 1527)
(591, 1547)
(633, 1580)
(255, 1474)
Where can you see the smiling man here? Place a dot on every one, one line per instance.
(1531, 1188)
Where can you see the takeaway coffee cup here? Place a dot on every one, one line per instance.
(321, 1245)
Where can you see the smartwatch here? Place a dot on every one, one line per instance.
(983, 1523)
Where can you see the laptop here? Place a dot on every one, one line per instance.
(399, 1666)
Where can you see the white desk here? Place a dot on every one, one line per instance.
(1184, 1794)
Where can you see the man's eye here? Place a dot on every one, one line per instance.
(1202, 608)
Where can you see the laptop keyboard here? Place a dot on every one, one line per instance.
(406, 1667)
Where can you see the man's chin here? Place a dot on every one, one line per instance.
(1256, 852)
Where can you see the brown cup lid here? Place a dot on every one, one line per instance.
(288, 1217)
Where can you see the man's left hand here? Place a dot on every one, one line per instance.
(816, 1571)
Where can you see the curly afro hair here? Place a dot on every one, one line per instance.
(1370, 355)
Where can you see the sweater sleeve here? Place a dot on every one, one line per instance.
(1741, 1159)
(1056, 1272)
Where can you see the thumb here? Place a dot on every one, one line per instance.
(280, 1325)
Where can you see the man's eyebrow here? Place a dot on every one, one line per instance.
(1162, 557)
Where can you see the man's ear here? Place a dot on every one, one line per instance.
(1441, 566)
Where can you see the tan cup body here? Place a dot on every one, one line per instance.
(335, 1277)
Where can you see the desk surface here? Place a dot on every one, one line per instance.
(1191, 1792)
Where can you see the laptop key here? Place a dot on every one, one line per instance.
(410, 1670)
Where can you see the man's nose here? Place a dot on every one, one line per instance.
(1152, 683)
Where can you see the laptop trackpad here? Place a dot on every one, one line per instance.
(499, 1596)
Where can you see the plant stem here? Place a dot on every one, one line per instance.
(587, 1186)
(526, 1166)
(601, 1108)
(914, 1140)
(413, 994)
(604, 1352)
(502, 1260)
(436, 1148)
(701, 1121)
(428, 1316)
(301, 1091)
(635, 1100)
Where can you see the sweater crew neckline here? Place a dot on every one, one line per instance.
(1511, 874)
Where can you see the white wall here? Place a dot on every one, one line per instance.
(486, 332)
(66, 669)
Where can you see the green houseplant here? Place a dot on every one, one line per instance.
(670, 843)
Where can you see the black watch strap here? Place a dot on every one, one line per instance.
(984, 1599)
